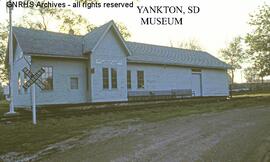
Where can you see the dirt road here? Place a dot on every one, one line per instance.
(234, 135)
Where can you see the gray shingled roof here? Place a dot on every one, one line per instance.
(48, 43)
(147, 53)
(57, 44)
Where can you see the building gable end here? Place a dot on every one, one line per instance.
(112, 28)
(111, 45)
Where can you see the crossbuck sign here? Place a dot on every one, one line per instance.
(34, 78)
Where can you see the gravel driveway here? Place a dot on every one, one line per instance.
(234, 135)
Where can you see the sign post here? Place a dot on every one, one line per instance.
(34, 111)
(32, 82)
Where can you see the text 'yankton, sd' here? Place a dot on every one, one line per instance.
(167, 9)
(168, 20)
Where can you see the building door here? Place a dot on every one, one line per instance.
(196, 84)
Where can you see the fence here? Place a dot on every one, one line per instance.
(251, 87)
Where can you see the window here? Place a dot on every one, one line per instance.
(24, 81)
(47, 78)
(114, 78)
(87, 79)
(105, 77)
(19, 83)
(140, 79)
(129, 79)
(74, 83)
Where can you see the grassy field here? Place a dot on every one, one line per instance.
(252, 93)
(18, 134)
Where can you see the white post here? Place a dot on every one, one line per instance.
(11, 80)
(34, 104)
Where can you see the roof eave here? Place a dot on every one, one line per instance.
(172, 64)
(55, 56)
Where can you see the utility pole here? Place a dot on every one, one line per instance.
(10, 46)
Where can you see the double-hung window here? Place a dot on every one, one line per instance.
(140, 79)
(129, 79)
(47, 78)
(105, 78)
(114, 78)
(109, 78)
(74, 83)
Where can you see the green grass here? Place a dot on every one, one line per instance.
(3, 103)
(56, 124)
(252, 93)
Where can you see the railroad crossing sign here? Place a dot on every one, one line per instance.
(33, 78)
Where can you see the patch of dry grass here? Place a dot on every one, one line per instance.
(18, 134)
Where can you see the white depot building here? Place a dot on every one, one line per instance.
(102, 67)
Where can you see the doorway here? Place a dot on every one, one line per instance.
(196, 84)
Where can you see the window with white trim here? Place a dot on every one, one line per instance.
(114, 78)
(74, 83)
(105, 78)
(47, 78)
(129, 79)
(140, 79)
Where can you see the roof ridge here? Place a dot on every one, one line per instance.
(95, 29)
(46, 31)
(60, 33)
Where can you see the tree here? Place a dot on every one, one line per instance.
(262, 64)
(233, 55)
(3, 47)
(72, 23)
(191, 44)
(123, 30)
(39, 18)
(250, 74)
(65, 20)
(258, 41)
(1, 92)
